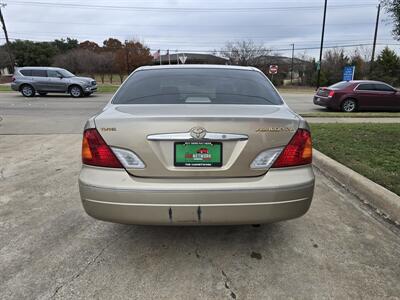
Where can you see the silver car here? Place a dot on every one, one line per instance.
(43, 80)
(196, 145)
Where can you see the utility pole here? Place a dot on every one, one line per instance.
(322, 46)
(375, 36)
(3, 23)
(127, 57)
(291, 69)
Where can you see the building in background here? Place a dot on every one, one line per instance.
(190, 58)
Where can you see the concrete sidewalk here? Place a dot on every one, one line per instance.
(351, 120)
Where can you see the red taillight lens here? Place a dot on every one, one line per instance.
(13, 79)
(297, 152)
(331, 93)
(96, 152)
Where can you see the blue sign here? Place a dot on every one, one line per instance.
(348, 73)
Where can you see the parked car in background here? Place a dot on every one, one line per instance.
(196, 145)
(351, 96)
(43, 80)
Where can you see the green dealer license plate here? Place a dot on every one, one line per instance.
(198, 154)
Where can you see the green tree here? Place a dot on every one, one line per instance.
(66, 45)
(393, 8)
(387, 67)
(4, 58)
(28, 53)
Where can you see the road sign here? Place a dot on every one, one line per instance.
(183, 59)
(348, 73)
(273, 69)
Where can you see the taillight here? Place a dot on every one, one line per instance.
(96, 152)
(297, 152)
(331, 93)
(13, 78)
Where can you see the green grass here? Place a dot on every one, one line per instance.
(5, 88)
(372, 150)
(107, 88)
(296, 89)
(351, 115)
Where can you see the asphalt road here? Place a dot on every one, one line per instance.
(63, 114)
(50, 249)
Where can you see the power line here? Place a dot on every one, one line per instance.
(185, 9)
(191, 25)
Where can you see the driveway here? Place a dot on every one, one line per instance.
(49, 248)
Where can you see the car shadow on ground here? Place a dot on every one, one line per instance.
(209, 238)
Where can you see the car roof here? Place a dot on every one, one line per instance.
(366, 81)
(39, 68)
(197, 66)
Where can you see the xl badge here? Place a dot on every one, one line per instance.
(198, 133)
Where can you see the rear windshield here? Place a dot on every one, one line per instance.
(197, 86)
(340, 85)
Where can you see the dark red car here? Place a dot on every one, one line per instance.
(350, 96)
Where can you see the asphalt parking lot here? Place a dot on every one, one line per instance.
(50, 249)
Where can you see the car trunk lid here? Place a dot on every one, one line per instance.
(243, 131)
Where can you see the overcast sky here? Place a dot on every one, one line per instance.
(200, 26)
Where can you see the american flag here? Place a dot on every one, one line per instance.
(156, 55)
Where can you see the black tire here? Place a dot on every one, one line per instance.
(76, 91)
(27, 90)
(42, 94)
(349, 105)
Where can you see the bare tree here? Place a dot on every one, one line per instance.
(245, 53)
(358, 60)
(105, 64)
(79, 61)
(133, 55)
(333, 63)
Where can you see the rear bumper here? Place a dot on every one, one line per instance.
(330, 103)
(321, 101)
(114, 195)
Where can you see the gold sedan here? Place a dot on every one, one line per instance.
(196, 145)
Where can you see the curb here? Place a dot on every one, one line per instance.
(368, 191)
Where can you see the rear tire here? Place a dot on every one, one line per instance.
(349, 105)
(76, 91)
(27, 90)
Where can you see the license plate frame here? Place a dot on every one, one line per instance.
(202, 162)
